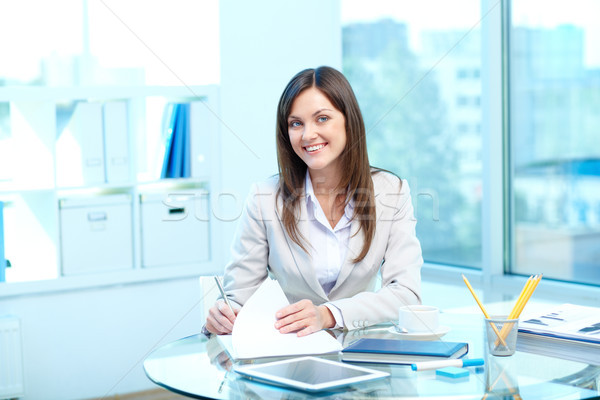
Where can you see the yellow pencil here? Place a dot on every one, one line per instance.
(524, 297)
(521, 296)
(534, 283)
(513, 313)
(485, 314)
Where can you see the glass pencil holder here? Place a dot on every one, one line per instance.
(501, 335)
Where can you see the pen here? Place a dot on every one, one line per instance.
(220, 286)
(428, 365)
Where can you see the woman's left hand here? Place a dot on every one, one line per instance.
(304, 318)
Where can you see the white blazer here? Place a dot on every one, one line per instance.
(262, 246)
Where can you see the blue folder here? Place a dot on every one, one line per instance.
(2, 259)
(177, 163)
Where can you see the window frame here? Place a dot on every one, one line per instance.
(495, 277)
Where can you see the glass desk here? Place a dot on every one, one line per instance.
(198, 367)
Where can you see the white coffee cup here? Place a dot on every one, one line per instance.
(419, 318)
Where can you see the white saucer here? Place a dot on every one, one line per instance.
(441, 331)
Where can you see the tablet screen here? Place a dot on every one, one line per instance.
(309, 373)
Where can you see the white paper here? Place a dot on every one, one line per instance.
(254, 334)
(567, 320)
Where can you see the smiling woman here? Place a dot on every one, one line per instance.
(328, 225)
(335, 172)
(318, 136)
(116, 316)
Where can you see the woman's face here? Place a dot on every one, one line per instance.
(317, 131)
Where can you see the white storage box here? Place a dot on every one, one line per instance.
(96, 234)
(174, 228)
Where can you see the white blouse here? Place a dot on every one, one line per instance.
(329, 246)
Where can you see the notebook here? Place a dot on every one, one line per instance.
(393, 351)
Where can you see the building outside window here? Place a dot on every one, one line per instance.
(414, 78)
(554, 103)
(420, 90)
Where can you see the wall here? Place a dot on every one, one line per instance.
(263, 45)
(91, 343)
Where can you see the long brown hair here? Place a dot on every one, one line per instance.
(356, 179)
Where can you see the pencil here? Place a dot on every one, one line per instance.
(506, 327)
(521, 296)
(522, 300)
(532, 287)
(485, 314)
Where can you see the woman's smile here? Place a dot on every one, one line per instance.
(315, 148)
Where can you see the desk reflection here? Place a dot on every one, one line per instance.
(201, 368)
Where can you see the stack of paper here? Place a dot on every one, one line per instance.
(254, 334)
(568, 331)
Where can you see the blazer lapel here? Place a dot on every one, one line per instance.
(354, 248)
(303, 261)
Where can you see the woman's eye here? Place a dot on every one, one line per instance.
(322, 119)
(294, 124)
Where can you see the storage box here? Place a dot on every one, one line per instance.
(96, 234)
(174, 228)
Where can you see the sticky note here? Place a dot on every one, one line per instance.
(452, 372)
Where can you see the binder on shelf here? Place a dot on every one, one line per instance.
(176, 162)
(201, 127)
(80, 148)
(2, 256)
(116, 142)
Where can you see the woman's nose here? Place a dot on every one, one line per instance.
(310, 132)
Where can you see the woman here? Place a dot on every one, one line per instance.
(328, 226)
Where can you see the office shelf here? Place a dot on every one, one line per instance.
(32, 182)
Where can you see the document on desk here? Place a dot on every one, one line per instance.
(254, 334)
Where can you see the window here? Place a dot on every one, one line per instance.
(555, 140)
(462, 101)
(413, 73)
(420, 90)
(89, 43)
(467, 73)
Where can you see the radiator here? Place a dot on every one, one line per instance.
(11, 359)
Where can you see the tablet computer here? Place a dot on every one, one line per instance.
(309, 373)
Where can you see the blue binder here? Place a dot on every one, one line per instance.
(177, 163)
(2, 259)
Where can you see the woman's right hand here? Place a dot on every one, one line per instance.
(220, 319)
